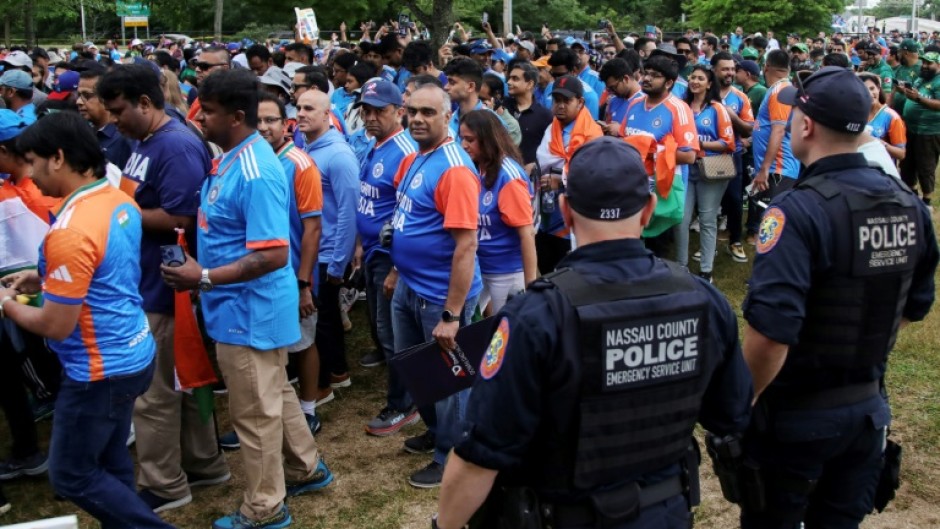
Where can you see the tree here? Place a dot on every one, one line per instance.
(763, 15)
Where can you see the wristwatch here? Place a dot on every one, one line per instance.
(205, 284)
(448, 316)
(301, 284)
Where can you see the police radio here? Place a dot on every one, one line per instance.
(386, 233)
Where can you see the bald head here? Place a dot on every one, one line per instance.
(313, 114)
(428, 116)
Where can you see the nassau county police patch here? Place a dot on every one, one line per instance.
(496, 351)
(771, 228)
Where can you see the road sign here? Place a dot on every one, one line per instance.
(135, 22)
(133, 9)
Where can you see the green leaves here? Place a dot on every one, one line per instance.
(763, 15)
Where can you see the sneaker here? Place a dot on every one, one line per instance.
(4, 504)
(736, 250)
(361, 296)
(428, 477)
(43, 411)
(751, 239)
(158, 504)
(325, 395)
(722, 222)
(313, 422)
(707, 276)
(15, 467)
(237, 520)
(230, 441)
(697, 256)
(390, 421)
(340, 381)
(420, 444)
(373, 358)
(347, 297)
(694, 226)
(321, 478)
(131, 436)
(220, 388)
(197, 480)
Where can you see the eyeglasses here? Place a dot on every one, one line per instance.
(684, 51)
(270, 121)
(653, 75)
(609, 53)
(204, 66)
(87, 96)
(297, 86)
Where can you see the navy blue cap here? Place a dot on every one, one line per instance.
(480, 48)
(12, 124)
(380, 94)
(568, 86)
(607, 180)
(834, 97)
(750, 67)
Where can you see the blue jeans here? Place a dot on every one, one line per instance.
(413, 320)
(380, 316)
(89, 463)
(705, 197)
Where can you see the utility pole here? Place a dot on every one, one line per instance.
(218, 19)
(507, 18)
(82, 8)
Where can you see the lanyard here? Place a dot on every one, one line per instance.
(412, 172)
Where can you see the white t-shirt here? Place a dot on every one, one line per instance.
(877, 155)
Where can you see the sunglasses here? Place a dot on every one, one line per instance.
(204, 66)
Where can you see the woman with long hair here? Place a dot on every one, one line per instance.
(506, 248)
(170, 84)
(704, 196)
(884, 123)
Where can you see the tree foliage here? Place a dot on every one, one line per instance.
(764, 15)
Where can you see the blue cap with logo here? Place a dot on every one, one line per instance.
(607, 180)
(16, 79)
(12, 124)
(379, 94)
(834, 97)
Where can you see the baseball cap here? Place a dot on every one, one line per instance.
(803, 48)
(12, 124)
(750, 53)
(528, 45)
(668, 50)
(19, 59)
(568, 86)
(750, 67)
(909, 45)
(136, 42)
(233, 46)
(89, 44)
(930, 56)
(542, 62)
(16, 79)
(580, 44)
(833, 97)
(65, 85)
(379, 94)
(607, 180)
(276, 77)
(868, 47)
(481, 48)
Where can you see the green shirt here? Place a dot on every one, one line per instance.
(886, 74)
(908, 74)
(918, 118)
(756, 96)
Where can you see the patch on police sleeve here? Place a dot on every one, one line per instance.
(771, 228)
(496, 351)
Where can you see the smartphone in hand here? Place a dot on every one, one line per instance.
(172, 255)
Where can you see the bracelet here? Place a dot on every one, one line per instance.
(2, 302)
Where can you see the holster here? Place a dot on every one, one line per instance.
(890, 478)
(741, 480)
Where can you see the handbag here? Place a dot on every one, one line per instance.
(718, 167)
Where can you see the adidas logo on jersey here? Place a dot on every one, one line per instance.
(62, 274)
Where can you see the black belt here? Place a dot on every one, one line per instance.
(581, 514)
(822, 399)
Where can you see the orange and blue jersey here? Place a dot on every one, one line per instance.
(164, 171)
(713, 124)
(773, 112)
(736, 101)
(243, 207)
(679, 88)
(377, 189)
(504, 208)
(617, 107)
(438, 190)
(887, 125)
(91, 257)
(306, 194)
(670, 117)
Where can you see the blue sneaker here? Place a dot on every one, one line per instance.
(230, 441)
(313, 422)
(237, 520)
(321, 478)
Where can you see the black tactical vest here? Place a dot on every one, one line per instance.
(646, 359)
(854, 310)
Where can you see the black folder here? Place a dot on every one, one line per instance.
(432, 374)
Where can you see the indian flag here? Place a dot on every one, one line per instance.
(123, 218)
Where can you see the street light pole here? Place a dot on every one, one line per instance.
(82, 7)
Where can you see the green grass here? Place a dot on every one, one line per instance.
(370, 490)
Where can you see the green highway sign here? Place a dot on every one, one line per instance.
(133, 9)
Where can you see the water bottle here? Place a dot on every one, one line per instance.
(548, 202)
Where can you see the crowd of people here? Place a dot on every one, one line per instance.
(442, 183)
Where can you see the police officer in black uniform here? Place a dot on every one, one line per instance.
(594, 379)
(844, 260)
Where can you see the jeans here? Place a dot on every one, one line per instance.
(33, 366)
(732, 203)
(380, 316)
(331, 338)
(705, 197)
(89, 463)
(413, 320)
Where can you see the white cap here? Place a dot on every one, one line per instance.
(136, 42)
